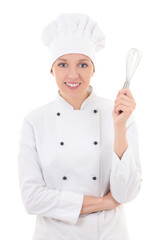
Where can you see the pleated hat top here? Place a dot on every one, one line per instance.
(73, 33)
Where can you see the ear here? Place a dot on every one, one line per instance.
(93, 71)
(51, 71)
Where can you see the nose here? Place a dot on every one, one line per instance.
(73, 72)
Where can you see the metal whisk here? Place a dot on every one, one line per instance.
(133, 60)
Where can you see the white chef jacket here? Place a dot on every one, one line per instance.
(65, 154)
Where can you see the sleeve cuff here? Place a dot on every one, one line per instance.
(69, 207)
(122, 166)
(127, 151)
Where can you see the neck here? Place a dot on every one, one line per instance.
(76, 103)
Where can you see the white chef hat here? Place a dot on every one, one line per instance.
(73, 33)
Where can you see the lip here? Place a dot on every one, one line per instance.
(72, 82)
(72, 88)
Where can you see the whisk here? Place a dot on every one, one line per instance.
(133, 60)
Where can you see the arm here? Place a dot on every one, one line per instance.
(94, 204)
(125, 178)
(120, 140)
(38, 199)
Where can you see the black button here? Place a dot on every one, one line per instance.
(58, 113)
(95, 142)
(62, 143)
(64, 178)
(94, 178)
(95, 111)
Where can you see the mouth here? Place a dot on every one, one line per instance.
(72, 85)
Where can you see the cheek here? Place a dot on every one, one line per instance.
(59, 75)
(86, 74)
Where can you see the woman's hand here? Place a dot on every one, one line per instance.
(109, 202)
(124, 102)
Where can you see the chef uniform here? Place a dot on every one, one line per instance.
(66, 154)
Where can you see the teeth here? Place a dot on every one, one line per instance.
(73, 85)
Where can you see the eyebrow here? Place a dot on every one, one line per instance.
(62, 59)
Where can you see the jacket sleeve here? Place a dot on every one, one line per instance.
(125, 177)
(38, 199)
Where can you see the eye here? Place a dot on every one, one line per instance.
(61, 64)
(84, 64)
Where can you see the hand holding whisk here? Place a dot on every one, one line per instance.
(133, 60)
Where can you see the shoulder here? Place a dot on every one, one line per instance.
(104, 103)
(39, 112)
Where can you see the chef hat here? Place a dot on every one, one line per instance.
(73, 33)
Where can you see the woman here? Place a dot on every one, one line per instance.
(78, 157)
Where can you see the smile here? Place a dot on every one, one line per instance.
(72, 86)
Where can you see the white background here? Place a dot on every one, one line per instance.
(26, 83)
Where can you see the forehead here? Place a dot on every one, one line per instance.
(74, 56)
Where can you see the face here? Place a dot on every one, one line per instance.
(73, 69)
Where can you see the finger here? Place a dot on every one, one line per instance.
(124, 97)
(125, 109)
(123, 102)
(126, 91)
(126, 101)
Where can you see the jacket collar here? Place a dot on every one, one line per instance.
(86, 104)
